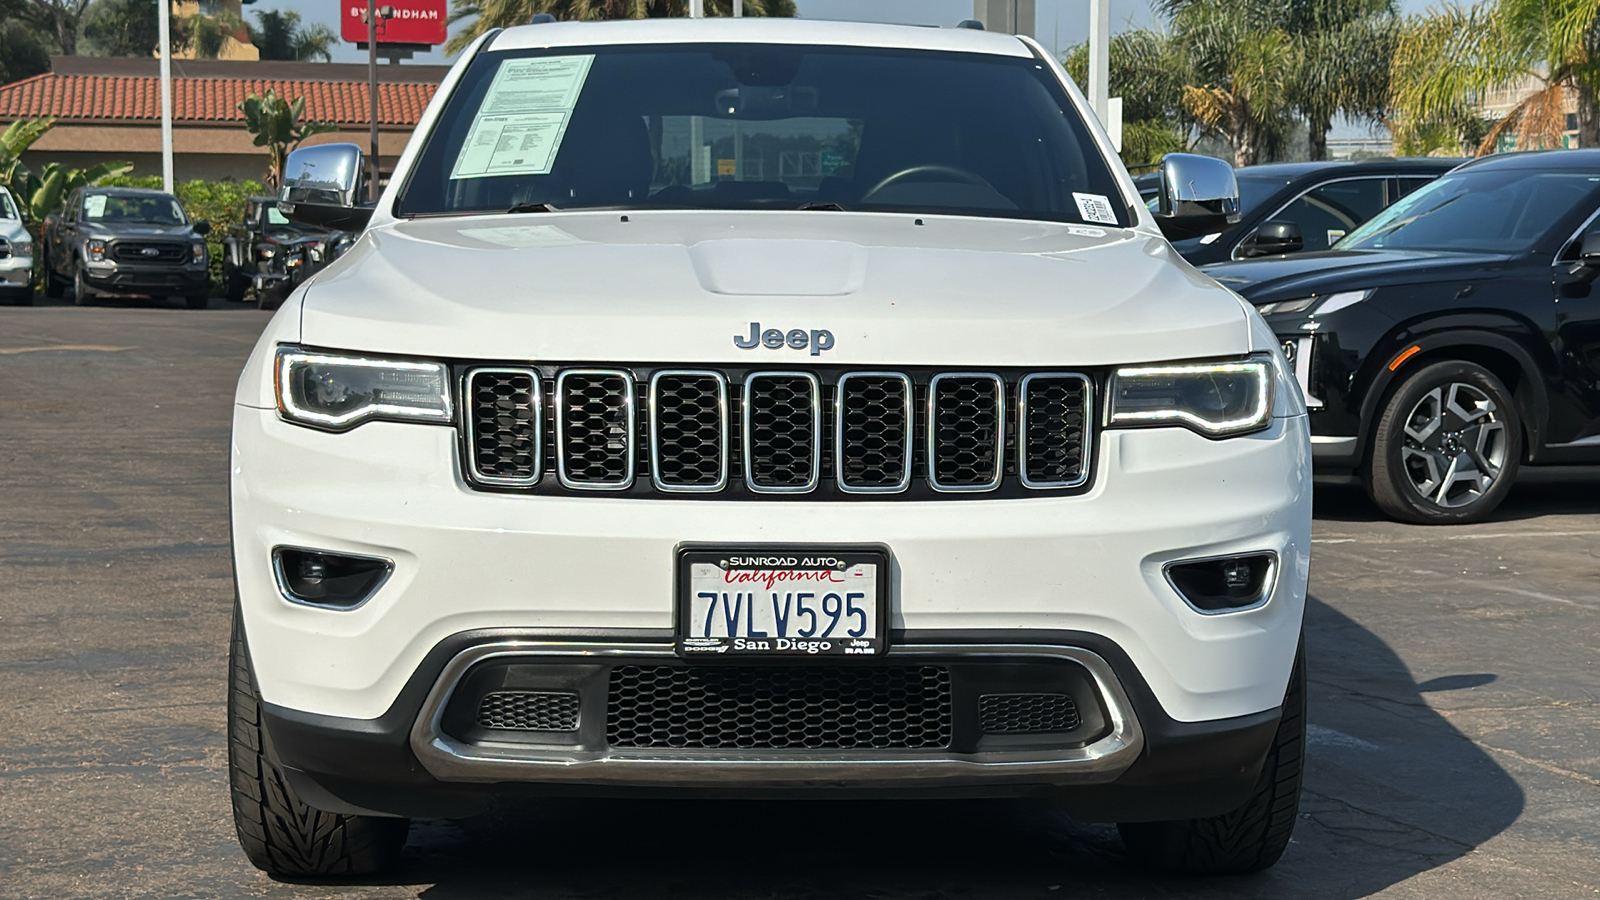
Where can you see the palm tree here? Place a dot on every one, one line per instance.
(487, 14)
(278, 127)
(1240, 63)
(1448, 60)
(1344, 50)
(1147, 73)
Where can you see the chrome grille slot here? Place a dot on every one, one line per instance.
(1053, 420)
(689, 431)
(595, 429)
(873, 432)
(504, 413)
(782, 432)
(966, 431)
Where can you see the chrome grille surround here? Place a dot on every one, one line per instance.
(1033, 442)
(842, 450)
(507, 435)
(768, 433)
(595, 437)
(949, 449)
(660, 416)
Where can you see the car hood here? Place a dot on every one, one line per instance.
(1329, 271)
(664, 286)
(131, 230)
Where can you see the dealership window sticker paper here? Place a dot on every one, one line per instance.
(1095, 208)
(520, 125)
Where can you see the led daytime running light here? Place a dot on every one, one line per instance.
(289, 360)
(1256, 417)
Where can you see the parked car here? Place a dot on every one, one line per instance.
(16, 253)
(1451, 339)
(1304, 207)
(701, 412)
(125, 241)
(273, 255)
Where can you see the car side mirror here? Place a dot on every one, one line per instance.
(1274, 238)
(1198, 196)
(1589, 251)
(201, 227)
(322, 187)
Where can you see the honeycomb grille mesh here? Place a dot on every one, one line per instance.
(781, 424)
(597, 443)
(965, 431)
(1027, 713)
(779, 707)
(504, 410)
(529, 711)
(690, 431)
(874, 431)
(1053, 429)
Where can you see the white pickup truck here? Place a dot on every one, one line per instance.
(720, 407)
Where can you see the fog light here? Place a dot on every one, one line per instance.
(1224, 583)
(321, 578)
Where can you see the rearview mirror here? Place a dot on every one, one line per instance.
(322, 187)
(1198, 196)
(1274, 238)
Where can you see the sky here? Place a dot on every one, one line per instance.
(1059, 23)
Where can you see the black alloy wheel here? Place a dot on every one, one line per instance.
(1447, 446)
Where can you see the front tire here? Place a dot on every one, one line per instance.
(54, 285)
(1446, 448)
(1252, 837)
(81, 292)
(279, 834)
(268, 298)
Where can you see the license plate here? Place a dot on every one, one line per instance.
(766, 602)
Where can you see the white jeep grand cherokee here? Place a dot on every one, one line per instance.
(735, 406)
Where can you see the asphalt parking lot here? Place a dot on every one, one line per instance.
(1454, 747)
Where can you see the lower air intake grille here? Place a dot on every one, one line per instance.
(780, 707)
(1026, 713)
(529, 711)
(503, 425)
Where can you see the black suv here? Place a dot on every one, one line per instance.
(273, 254)
(1451, 338)
(1303, 207)
(125, 241)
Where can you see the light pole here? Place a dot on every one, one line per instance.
(373, 12)
(1100, 59)
(165, 21)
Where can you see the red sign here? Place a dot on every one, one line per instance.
(413, 22)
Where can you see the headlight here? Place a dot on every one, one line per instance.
(22, 248)
(197, 253)
(1319, 305)
(340, 392)
(95, 250)
(1215, 399)
(266, 252)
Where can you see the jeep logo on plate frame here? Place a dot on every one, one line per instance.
(818, 339)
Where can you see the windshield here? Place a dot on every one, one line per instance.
(762, 127)
(7, 211)
(132, 209)
(1488, 210)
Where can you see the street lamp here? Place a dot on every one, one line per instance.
(373, 14)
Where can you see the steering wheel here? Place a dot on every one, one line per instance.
(961, 175)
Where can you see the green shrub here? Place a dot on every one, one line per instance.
(219, 202)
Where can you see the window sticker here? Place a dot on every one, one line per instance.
(1081, 231)
(523, 118)
(1095, 208)
(94, 206)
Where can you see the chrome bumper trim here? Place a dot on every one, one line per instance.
(448, 759)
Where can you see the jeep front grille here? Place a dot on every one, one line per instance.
(830, 435)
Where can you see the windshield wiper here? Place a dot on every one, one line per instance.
(829, 206)
(531, 208)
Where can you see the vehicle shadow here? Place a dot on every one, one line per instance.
(1539, 491)
(1390, 783)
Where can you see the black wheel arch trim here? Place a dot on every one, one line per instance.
(1533, 404)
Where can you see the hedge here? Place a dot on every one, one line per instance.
(219, 202)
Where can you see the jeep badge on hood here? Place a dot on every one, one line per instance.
(818, 339)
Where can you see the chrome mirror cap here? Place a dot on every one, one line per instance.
(1199, 195)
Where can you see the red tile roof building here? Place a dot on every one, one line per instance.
(111, 109)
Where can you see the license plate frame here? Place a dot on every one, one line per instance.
(806, 558)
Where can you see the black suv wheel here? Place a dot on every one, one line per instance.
(1447, 446)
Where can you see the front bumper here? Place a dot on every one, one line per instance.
(1137, 764)
(465, 560)
(16, 272)
(129, 279)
